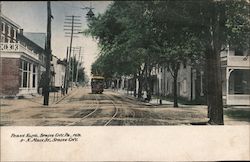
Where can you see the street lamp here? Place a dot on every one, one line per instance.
(90, 13)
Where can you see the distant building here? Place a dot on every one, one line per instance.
(191, 81)
(236, 76)
(21, 61)
(58, 68)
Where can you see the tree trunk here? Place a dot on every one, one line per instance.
(209, 84)
(215, 103)
(134, 85)
(149, 87)
(140, 79)
(175, 88)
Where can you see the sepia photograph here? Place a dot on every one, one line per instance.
(77, 65)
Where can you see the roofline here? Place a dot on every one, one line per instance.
(36, 33)
(10, 21)
(21, 35)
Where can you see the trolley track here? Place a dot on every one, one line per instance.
(115, 112)
(88, 114)
(96, 112)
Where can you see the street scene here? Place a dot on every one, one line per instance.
(114, 108)
(125, 63)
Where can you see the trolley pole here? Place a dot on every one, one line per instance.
(48, 58)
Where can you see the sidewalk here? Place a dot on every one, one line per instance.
(153, 101)
(233, 115)
(54, 98)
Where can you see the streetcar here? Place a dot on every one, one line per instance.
(97, 84)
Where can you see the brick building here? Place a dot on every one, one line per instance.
(21, 61)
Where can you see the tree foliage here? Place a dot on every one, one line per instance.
(136, 36)
(76, 67)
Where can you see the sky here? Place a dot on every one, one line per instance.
(32, 17)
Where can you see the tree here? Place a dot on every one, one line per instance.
(139, 35)
(174, 41)
(81, 73)
(222, 23)
(125, 39)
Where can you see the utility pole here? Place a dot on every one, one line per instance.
(66, 73)
(73, 68)
(73, 62)
(72, 26)
(48, 58)
(77, 68)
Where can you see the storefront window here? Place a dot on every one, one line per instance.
(25, 74)
(9, 29)
(28, 75)
(34, 76)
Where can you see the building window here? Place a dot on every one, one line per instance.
(3, 27)
(29, 73)
(2, 38)
(25, 70)
(34, 76)
(14, 33)
(9, 30)
(25, 74)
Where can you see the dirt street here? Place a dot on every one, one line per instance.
(81, 108)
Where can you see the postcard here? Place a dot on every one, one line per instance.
(124, 80)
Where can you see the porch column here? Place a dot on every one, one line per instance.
(22, 67)
(159, 82)
(227, 85)
(137, 86)
(122, 83)
(228, 72)
(201, 80)
(164, 81)
(227, 75)
(36, 77)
